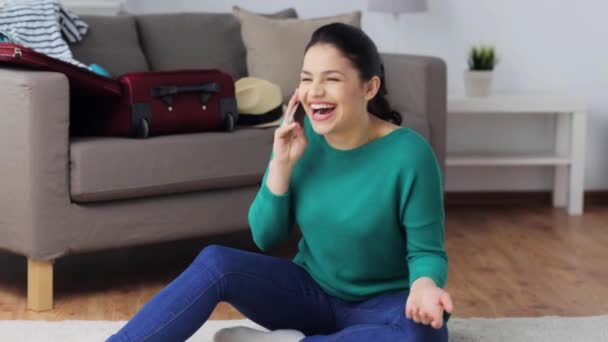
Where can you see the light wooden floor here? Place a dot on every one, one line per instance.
(504, 261)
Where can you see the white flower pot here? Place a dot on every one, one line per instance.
(477, 83)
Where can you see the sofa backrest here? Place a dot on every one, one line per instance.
(168, 41)
(193, 41)
(196, 41)
(113, 43)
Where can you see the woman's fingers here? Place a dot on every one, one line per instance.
(291, 107)
(284, 130)
(417, 315)
(291, 138)
(429, 313)
(426, 318)
(410, 308)
(446, 301)
(421, 316)
(436, 317)
(297, 132)
(437, 323)
(408, 313)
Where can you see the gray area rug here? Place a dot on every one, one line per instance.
(539, 329)
(549, 329)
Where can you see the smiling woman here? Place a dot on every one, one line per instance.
(365, 62)
(341, 83)
(371, 263)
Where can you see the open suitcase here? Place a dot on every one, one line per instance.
(138, 104)
(82, 81)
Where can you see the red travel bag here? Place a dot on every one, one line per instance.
(138, 104)
(82, 81)
(173, 102)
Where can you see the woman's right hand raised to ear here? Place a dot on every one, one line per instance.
(288, 147)
(289, 139)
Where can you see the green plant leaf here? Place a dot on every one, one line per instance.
(482, 57)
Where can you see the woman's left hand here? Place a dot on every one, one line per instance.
(426, 303)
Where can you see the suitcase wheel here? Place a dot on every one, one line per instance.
(144, 129)
(228, 124)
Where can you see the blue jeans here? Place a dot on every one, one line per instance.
(276, 294)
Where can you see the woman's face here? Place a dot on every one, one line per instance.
(331, 91)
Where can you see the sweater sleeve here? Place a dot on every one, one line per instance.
(423, 217)
(271, 216)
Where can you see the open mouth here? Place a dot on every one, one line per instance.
(321, 112)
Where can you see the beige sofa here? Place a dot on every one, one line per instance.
(64, 195)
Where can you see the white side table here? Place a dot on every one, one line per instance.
(568, 158)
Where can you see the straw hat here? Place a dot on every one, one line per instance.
(259, 102)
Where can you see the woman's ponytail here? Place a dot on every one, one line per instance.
(379, 105)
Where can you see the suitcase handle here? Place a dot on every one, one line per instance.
(166, 93)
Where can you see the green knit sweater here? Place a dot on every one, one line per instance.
(372, 218)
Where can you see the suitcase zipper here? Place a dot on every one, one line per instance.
(17, 53)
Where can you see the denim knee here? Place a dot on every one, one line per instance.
(213, 257)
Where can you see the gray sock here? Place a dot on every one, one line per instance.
(246, 334)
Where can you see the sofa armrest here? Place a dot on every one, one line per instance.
(417, 85)
(34, 133)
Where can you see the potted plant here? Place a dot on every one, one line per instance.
(478, 78)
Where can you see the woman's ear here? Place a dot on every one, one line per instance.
(371, 88)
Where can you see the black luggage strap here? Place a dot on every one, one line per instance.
(166, 93)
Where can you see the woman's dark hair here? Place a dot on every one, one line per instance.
(362, 52)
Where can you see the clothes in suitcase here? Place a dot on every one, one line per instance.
(174, 102)
(82, 81)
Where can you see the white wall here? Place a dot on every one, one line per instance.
(95, 7)
(544, 48)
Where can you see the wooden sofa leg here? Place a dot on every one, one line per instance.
(39, 285)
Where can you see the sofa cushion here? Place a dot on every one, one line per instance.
(113, 43)
(115, 168)
(196, 41)
(275, 47)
